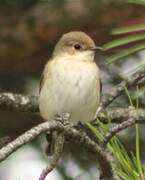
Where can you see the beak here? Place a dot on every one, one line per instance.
(95, 48)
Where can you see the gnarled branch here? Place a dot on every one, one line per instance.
(18, 102)
(119, 115)
(23, 103)
(133, 80)
(10, 101)
(105, 159)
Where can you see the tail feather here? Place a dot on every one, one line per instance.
(54, 140)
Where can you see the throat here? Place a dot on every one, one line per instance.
(85, 56)
(79, 56)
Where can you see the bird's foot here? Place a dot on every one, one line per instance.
(63, 118)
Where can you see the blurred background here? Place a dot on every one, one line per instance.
(29, 30)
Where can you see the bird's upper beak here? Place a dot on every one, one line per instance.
(95, 48)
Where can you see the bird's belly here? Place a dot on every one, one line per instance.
(70, 92)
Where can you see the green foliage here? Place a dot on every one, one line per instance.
(128, 29)
(129, 166)
(141, 2)
(128, 51)
(133, 34)
(123, 41)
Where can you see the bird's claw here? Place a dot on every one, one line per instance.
(63, 118)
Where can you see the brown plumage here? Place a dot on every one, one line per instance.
(70, 82)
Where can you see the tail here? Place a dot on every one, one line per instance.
(55, 147)
(55, 143)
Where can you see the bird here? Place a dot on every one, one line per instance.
(71, 82)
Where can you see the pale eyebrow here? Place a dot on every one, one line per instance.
(70, 43)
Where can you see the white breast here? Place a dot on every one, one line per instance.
(72, 87)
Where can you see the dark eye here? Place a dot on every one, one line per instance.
(77, 46)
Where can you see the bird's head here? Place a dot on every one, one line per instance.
(76, 43)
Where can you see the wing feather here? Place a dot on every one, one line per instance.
(44, 75)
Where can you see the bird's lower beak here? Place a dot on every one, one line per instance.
(95, 48)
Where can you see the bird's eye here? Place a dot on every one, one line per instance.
(77, 46)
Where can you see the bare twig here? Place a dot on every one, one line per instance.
(55, 157)
(118, 115)
(18, 102)
(56, 145)
(10, 101)
(27, 137)
(116, 129)
(133, 80)
(105, 159)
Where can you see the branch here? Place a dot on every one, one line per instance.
(118, 115)
(58, 149)
(58, 145)
(116, 129)
(9, 101)
(18, 102)
(133, 80)
(105, 159)
(23, 103)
